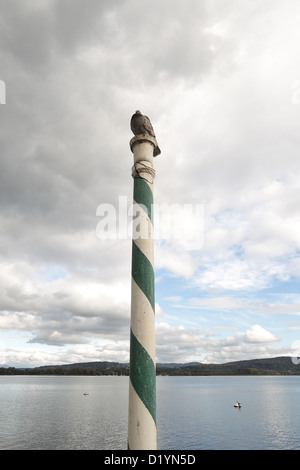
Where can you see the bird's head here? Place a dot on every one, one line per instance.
(138, 112)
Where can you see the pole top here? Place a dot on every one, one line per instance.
(140, 138)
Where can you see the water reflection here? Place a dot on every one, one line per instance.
(276, 406)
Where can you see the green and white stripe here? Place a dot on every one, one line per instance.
(142, 377)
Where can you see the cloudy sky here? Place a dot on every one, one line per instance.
(221, 84)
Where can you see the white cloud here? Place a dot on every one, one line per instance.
(221, 302)
(203, 345)
(176, 261)
(258, 334)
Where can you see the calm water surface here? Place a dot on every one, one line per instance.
(192, 413)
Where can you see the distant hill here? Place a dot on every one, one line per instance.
(268, 366)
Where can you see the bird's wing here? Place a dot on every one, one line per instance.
(148, 126)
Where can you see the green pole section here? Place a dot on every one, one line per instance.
(142, 374)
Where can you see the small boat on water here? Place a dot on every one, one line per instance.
(237, 404)
(85, 393)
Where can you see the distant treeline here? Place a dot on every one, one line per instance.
(270, 366)
(59, 370)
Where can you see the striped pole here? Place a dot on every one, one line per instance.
(142, 374)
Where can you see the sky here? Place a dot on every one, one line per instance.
(220, 82)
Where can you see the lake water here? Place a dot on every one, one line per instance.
(193, 413)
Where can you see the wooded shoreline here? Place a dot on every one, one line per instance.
(269, 366)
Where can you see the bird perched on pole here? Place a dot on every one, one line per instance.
(141, 124)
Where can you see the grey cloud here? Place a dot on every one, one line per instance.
(34, 34)
(166, 42)
(60, 319)
(24, 33)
